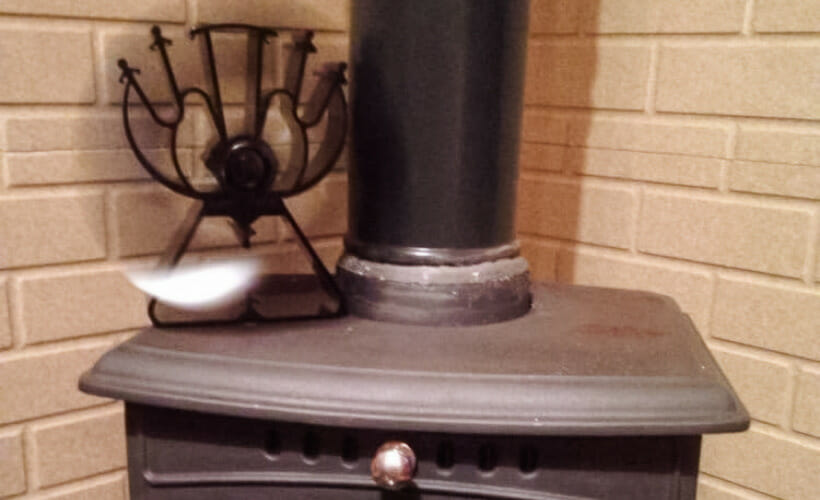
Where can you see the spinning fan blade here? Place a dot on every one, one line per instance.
(198, 287)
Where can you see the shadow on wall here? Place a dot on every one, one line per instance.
(554, 207)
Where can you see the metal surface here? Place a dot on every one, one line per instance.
(182, 455)
(487, 292)
(584, 361)
(436, 108)
(393, 465)
(251, 182)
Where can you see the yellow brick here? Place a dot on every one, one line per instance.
(664, 16)
(44, 230)
(88, 131)
(554, 16)
(767, 316)
(542, 157)
(12, 473)
(806, 417)
(65, 167)
(690, 289)
(775, 80)
(79, 304)
(760, 383)
(649, 136)
(759, 238)
(230, 53)
(787, 15)
(710, 489)
(110, 489)
(541, 257)
(5, 326)
(81, 447)
(288, 258)
(540, 126)
(46, 66)
(800, 181)
(147, 219)
(587, 75)
(322, 210)
(592, 213)
(764, 462)
(42, 384)
(145, 10)
(312, 14)
(652, 167)
(778, 146)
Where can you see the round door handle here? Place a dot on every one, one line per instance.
(393, 465)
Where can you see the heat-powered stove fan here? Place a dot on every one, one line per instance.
(251, 182)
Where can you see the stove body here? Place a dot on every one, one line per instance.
(596, 393)
(500, 388)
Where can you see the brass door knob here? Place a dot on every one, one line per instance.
(393, 465)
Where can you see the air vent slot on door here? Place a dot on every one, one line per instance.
(445, 455)
(528, 459)
(311, 446)
(487, 458)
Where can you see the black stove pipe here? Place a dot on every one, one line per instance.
(436, 98)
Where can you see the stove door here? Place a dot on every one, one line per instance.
(184, 455)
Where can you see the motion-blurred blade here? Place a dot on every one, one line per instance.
(198, 287)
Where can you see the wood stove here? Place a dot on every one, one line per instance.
(453, 376)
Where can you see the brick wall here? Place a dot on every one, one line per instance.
(674, 146)
(76, 208)
(668, 145)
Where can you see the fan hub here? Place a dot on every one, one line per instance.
(243, 164)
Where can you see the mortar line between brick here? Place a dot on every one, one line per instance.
(766, 200)
(5, 177)
(635, 223)
(61, 345)
(702, 115)
(98, 61)
(80, 484)
(729, 153)
(110, 224)
(59, 269)
(106, 408)
(191, 12)
(625, 150)
(778, 433)
(748, 18)
(649, 259)
(735, 487)
(765, 353)
(791, 398)
(710, 311)
(15, 305)
(51, 415)
(702, 38)
(30, 461)
(24, 19)
(757, 277)
(569, 244)
(797, 125)
(811, 249)
(652, 81)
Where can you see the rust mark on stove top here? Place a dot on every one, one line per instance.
(618, 331)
